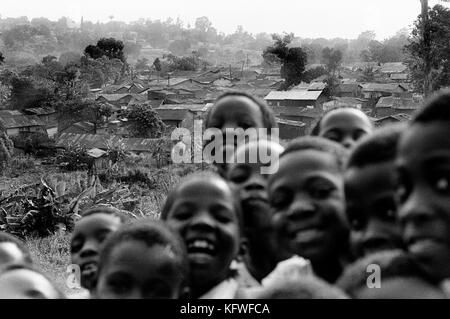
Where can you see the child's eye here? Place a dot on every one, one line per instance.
(280, 199)
(442, 185)
(223, 215)
(76, 246)
(321, 190)
(182, 213)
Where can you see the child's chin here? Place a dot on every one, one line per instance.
(201, 259)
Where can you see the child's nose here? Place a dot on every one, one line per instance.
(348, 142)
(302, 207)
(202, 219)
(89, 249)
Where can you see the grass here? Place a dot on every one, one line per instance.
(52, 254)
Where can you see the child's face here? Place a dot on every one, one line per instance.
(136, 271)
(371, 208)
(10, 254)
(26, 284)
(89, 234)
(235, 112)
(204, 215)
(306, 195)
(423, 164)
(252, 185)
(345, 126)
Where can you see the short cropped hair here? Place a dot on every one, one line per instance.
(102, 209)
(8, 238)
(315, 131)
(13, 267)
(393, 264)
(379, 147)
(319, 144)
(206, 176)
(269, 120)
(437, 109)
(151, 233)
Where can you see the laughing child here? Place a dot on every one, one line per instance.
(205, 212)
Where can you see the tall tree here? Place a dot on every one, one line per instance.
(429, 50)
(293, 60)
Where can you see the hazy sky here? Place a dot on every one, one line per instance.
(306, 18)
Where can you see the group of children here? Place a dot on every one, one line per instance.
(346, 202)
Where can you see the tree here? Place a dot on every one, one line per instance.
(314, 73)
(109, 47)
(157, 65)
(332, 59)
(293, 59)
(203, 24)
(144, 122)
(429, 50)
(2, 58)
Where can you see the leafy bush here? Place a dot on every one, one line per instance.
(74, 158)
(37, 210)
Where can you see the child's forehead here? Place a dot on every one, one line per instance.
(198, 186)
(97, 220)
(233, 104)
(312, 158)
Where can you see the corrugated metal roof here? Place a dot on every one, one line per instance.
(41, 110)
(383, 87)
(16, 121)
(293, 95)
(296, 111)
(172, 114)
(399, 103)
(290, 122)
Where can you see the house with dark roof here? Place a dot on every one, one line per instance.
(181, 115)
(289, 129)
(346, 101)
(120, 100)
(377, 90)
(298, 114)
(48, 116)
(313, 86)
(297, 98)
(348, 90)
(391, 105)
(15, 123)
(391, 119)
